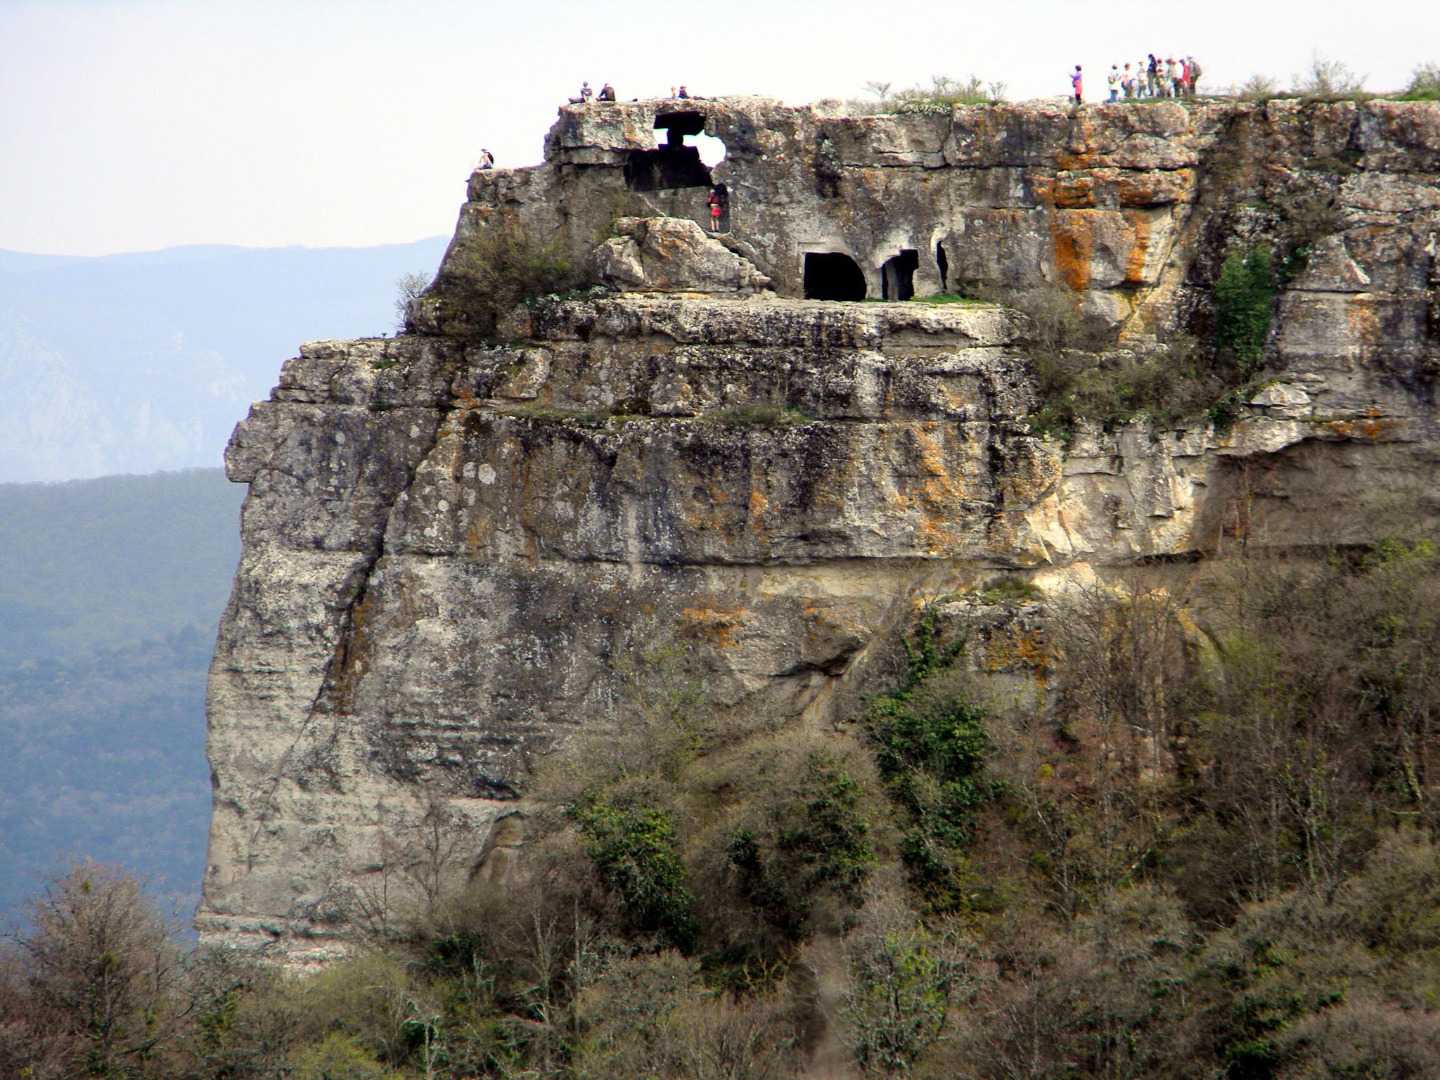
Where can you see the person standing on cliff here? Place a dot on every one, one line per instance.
(1077, 86)
(1152, 75)
(1113, 81)
(716, 202)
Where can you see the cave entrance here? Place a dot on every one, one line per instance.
(897, 276)
(833, 275)
(682, 157)
(944, 266)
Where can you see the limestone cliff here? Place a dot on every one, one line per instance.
(450, 538)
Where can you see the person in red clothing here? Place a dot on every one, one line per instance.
(1076, 85)
(716, 202)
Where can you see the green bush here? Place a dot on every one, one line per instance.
(637, 855)
(943, 94)
(1330, 80)
(931, 746)
(1244, 295)
(1424, 84)
(815, 842)
(501, 268)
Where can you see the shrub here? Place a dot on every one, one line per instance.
(1424, 84)
(408, 288)
(902, 979)
(1167, 383)
(813, 842)
(1258, 88)
(1329, 80)
(931, 745)
(758, 415)
(1008, 589)
(500, 268)
(1244, 294)
(942, 95)
(636, 853)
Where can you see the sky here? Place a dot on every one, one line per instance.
(130, 125)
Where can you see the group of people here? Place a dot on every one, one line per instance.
(607, 93)
(1172, 77)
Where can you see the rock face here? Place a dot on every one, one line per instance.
(449, 541)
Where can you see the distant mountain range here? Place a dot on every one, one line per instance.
(141, 362)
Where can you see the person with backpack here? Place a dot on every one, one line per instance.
(607, 93)
(1077, 86)
(1152, 75)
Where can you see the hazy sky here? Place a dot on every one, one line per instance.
(136, 124)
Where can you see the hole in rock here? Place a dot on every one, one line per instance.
(897, 276)
(944, 264)
(833, 275)
(682, 156)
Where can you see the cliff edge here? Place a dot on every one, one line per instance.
(766, 444)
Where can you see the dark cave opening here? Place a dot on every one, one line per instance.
(897, 275)
(833, 275)
(944, 264)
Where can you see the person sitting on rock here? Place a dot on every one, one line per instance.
(487, 160)
(607, 93)
(682, 92)
(585, 95)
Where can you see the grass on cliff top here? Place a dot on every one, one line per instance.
(757, 415)
(953, 298)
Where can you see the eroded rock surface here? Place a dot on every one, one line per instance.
(449, 541)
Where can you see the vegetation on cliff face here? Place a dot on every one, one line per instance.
(1186, 854)
(499, 268)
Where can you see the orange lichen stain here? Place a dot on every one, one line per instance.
(941, 493)
(1362, 322)
(759, 504)
(1073, 242)
(1372, 427)
(1135, 262)
(465, 398)
(713, 512)
(1017, 648)
(1142, 189)
(1075, 191)
(716, 626)
(1080, 152)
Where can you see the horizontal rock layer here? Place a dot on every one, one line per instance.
(448, 542)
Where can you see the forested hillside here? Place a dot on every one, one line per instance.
(110, 591)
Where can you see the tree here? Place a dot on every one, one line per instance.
(103, 961)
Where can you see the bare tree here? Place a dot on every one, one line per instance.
(103, 961)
